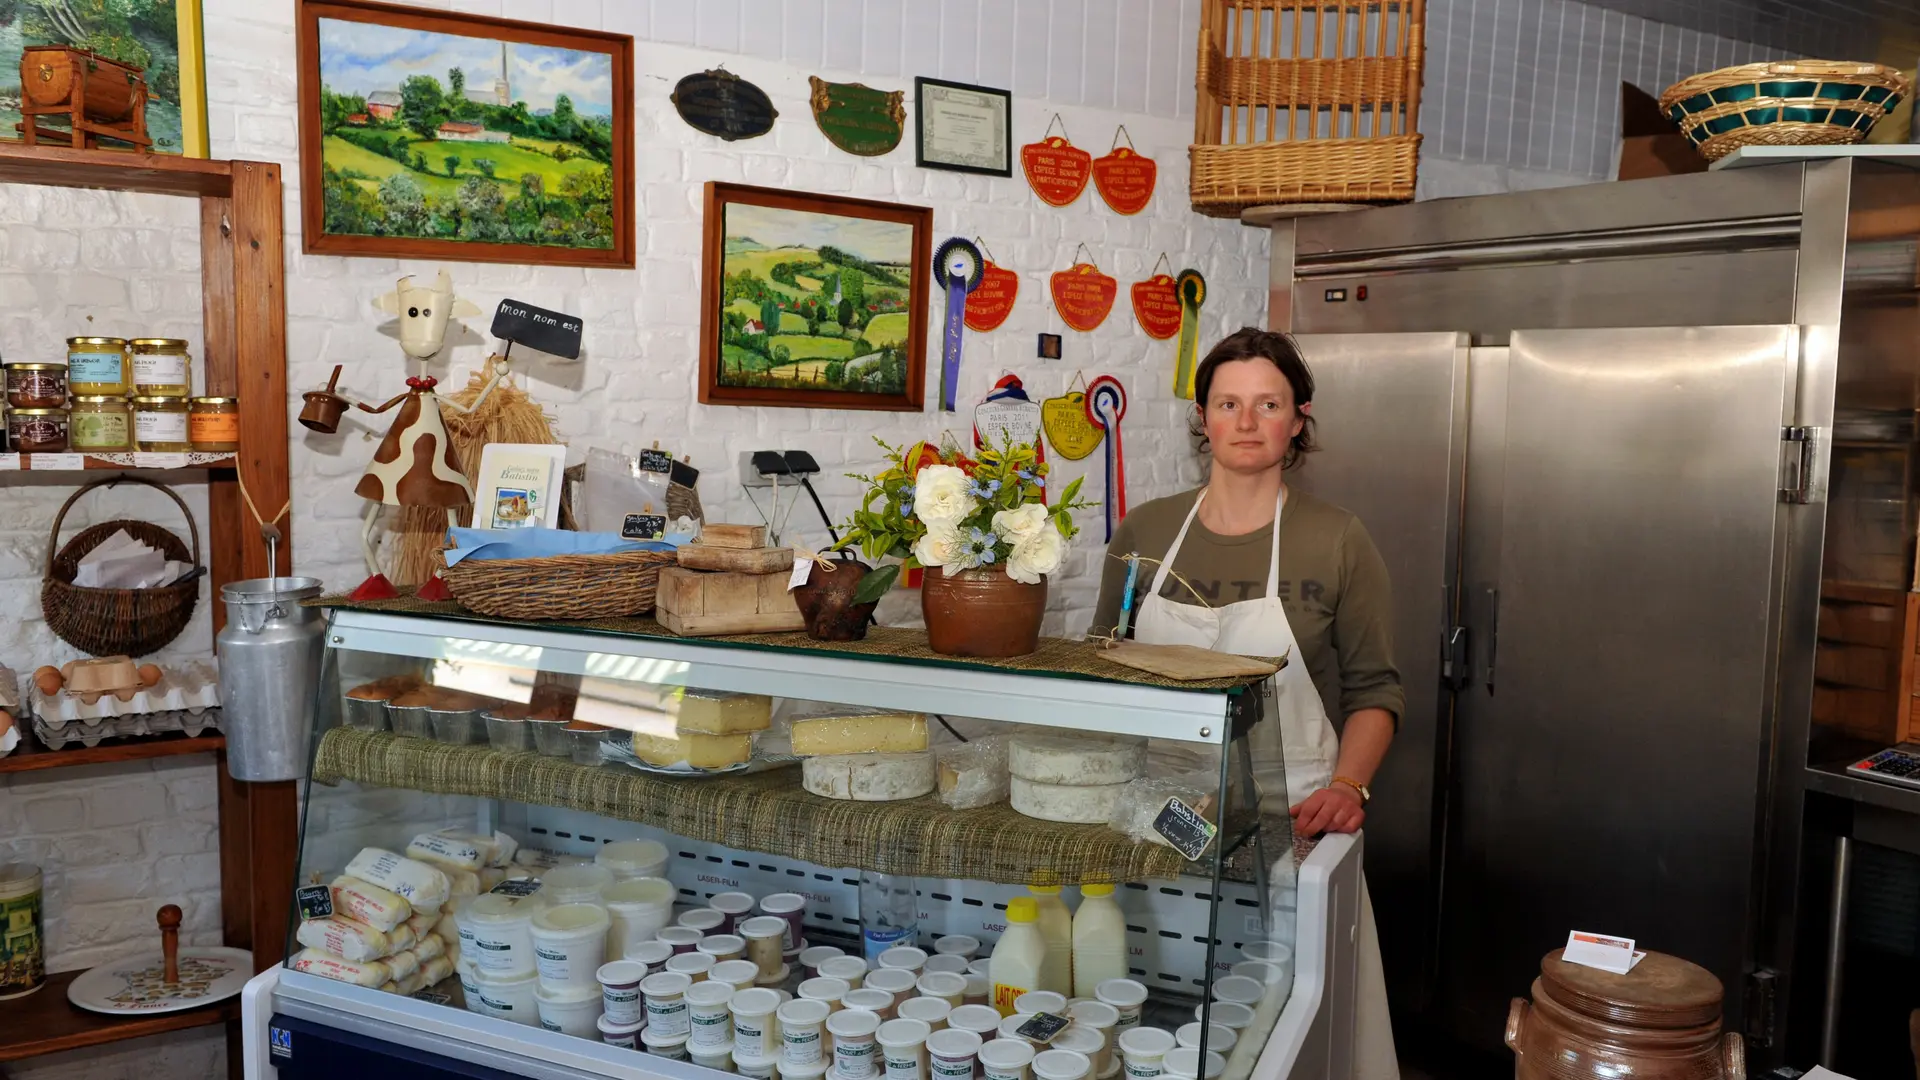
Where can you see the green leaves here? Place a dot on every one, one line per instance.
(876, 583)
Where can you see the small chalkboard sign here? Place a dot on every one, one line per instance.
(1041, 1027)
(724, 104)
(432, 997)
(656, 461)
(315, 901)
(644, 526)
(517, 887)
(1183, 827)
(537, 328)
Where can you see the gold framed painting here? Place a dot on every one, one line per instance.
(163, 38)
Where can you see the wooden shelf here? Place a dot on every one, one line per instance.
(127, 462)
(32, 757)
(114, 170)
(46, 1023)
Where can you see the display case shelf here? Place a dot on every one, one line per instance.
(46, 1023)
(77, 462)
(31, 756)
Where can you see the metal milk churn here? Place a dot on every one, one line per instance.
(269, 669)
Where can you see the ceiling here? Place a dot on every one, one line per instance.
(1884, 30)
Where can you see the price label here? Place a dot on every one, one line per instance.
(315, 901)
(644, 526)
(9, 462)
(518, 887)
(432, 996)
(802, 569)
(656, 461)
(64, 462)
(1615, 954)
(1183, 827)
(161, 461)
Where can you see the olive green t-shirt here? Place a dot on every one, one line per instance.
(1333, 587)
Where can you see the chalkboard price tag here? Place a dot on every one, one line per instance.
(432, 997)
(517, 887)
(537, 328)
(656, 461)
(1183, 827)
(316, 901)
(1041, 1027)
(644, 527)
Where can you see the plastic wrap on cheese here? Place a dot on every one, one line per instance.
(401, 938)
(428, 947)
(712, 712)
(343, 937)
(423, 924)
(319, 962)
(537, 859)
(462, 850)
(402, 964)
(421, 884)
(491, 876)
(858, 731)
(379, 908)
(411, 985)
(435, 969)
(447, 929)
(973, 774)
(1140, 802)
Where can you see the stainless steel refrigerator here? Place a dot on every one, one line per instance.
(1588, 430)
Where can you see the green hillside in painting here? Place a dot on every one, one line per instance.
(812, 318)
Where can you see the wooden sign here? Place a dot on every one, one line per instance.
(1083, 295)
(723, 104)
(1157, 306)
(1125, 179)
(1056, 169)
(856, 117)
(989, 305)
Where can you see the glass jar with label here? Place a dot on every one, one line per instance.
(161, 367)
(36, 386)
(37, 431)
(98, 365)
(213, 424)
(160, 424)
(100, 422)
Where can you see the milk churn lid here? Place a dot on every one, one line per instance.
(1661, 991)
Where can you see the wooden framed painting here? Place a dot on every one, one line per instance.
(813, 301)
(426, 134)
(162, 38)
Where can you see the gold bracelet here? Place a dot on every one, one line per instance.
(1366, 796)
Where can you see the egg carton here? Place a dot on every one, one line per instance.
(190, 686)
(89, 733)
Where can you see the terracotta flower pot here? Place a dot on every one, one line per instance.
(981, 612)
(826, 602)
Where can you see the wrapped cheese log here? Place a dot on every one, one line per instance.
(491, 876)
(460, 881)
(326, 965)
(422, 925)
(429, 947)
(343, 937)
(973, 774)
(421, 884)
(402, 964)
(401, 939)
(435, 969)
(377, 907)
(447, 929)
(389, 987)
(411, 985)
(448, 847)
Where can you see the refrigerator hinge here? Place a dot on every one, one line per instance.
(1761, 985)
(1802, 477)
(1455, 658)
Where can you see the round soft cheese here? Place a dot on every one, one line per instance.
(1080, 804)
(1077, 761)
(869, 777)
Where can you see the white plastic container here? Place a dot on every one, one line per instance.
(502, 929)
(979, 990)
(944, 962)
(805, 1072)
(661, 1044)
(1220, 1038)
(1100, 1017)
(654, 954)
(851, 970)
(1264, 972)
(629, 859)
(666, 994)
(952, 1054)
(896, 981)
(1099, 941)
(569, 1010)
(639, 908)
(813, 956)
(710, 1016)
(680, 939)
(980, 965)
(854, 1048)
(1056, 929)
(766, 937)
(1184, 1062)
(734, 906)
(878, 1002)
(1231, 1014)
(803, 1041)
(1005, 1059)
(693, 965)
(1238, 989)
(623, 1035)
(903, 1048)
(1126, 996)
(1273, 952)
(964, 946)
(1010, 1027)
(904, 957)
(1142, 1048)
(1019, 956)
(620, 992)
(1082, 1040)
(510, 998)
(775, 981)
(755, 1068)
(793, 908)
(931, 1011)
(756, 1033)
(583, 884)
(827, 989)
(704, 919)
(1040, 1001)
(723, 947)
(717, 1060)
(1061, 1065)
(944, 985)
(739, 974)
(569, 945)
(982, 1020)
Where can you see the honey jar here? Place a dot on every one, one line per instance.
(98, 365)
(36, 386)
(162, 367)
(100, 422)
(213, 424)
(37, 431)
(160, 424)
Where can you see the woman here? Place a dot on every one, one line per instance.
(1221, 577)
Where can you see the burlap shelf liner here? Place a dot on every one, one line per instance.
(1056, 657)
(767, 812)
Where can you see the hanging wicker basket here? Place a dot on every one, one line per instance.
(117, 622)
(1784, 103)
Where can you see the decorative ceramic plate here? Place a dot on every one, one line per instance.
(135, 986)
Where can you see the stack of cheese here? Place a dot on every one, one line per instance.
(702, 729)
(1075, 778)
(392, 926)
(864, 756)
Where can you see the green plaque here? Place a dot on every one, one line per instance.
(858, 118)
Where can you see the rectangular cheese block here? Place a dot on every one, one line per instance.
(709, 712)
(699, 751)
(890, 733)
(732, 536)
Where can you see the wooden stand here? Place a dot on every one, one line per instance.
(243, 309)
(119, 90)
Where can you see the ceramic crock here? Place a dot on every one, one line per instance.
(981, 612)
(1660, 1021)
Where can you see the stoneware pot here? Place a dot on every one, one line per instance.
(981, 612)
(826, 602)
(1660, 1021)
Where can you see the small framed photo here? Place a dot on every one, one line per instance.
(962, 127)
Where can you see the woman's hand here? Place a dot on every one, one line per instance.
(1334, 808)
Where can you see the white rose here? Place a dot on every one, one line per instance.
(1021, 522)
(1037, 555)
(940, 497)
(942, 547)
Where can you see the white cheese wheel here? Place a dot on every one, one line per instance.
(1083, 804)
(1077, 761)
(869, 777)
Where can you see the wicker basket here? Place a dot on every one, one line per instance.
(559, 586)
(1784, 103)
(115, 622)
(1306, 101)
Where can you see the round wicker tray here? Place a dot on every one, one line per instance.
(559, 586)
(1782, 103)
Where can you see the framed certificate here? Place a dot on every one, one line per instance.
(963, 128)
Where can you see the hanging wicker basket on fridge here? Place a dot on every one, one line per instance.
(1306, 101)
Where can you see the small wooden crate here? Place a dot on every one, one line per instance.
(1306, 101)
(693, 603)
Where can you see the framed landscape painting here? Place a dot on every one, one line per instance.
(425, 134)
(813, 301)
(160, 37)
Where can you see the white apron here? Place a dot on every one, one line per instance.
(1296, 722)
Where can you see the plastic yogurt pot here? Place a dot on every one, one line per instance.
(903, 1048)
(793, 908)
(1010, 1027)
(1230, 1013)
(738, 974)
(666, 995)
(775, 981)
(629, 859)
(945, 962)
(581, 884)
(961, 945)
(1142, 1048)
(951, 1054)
(679, 938)
(1273, 952)
(813, 956)
(931, 1011)
(709, 1017)
(803, 1024)
(654, 954)
(510, 998)
(805, 1072)
(851, 970)
(1264, 972)
(877, 1002)
(569, 1010)
(944, 985)
(569, 945)
(1220, 1038)
(1085, 1041)
(734, 907)
(756, 1068)
(640, 908)
(756, 1033)
(723, 946)
(979, 990)
(827, 989)
(765, 936)
(1113, 1071)
(1005, 1059)
(980, 966)
(1100, 1017)
(620, 991)
(693, 965)
(704, 919)
(1126, 996)
(720, 1060)
(502, 930)
(904, 957)
(854, 1048)
(982, 1020)
(1040, 1001)
(659, 1043)
(1184, 1061)
(625, 1035)
(1061, 1065)
(896, 981)
(1238, 989)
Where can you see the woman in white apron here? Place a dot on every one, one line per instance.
(1252, 394)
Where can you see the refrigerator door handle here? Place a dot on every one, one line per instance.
(1493, 634)
(1456, 659)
